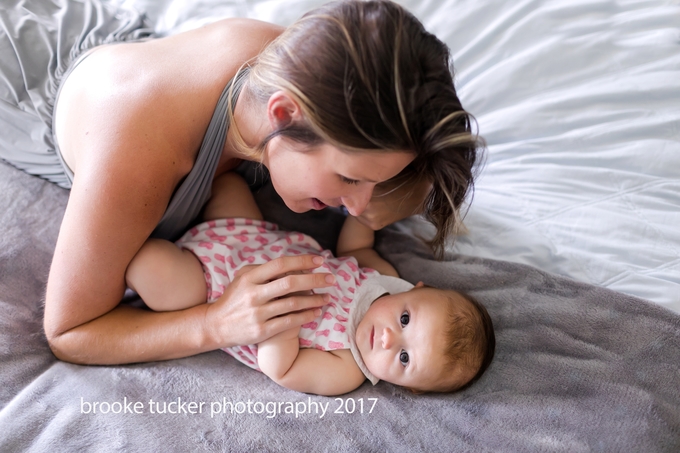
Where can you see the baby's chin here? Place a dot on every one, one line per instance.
(362, 339)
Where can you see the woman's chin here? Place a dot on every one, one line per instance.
(306, 205)
(299, 207)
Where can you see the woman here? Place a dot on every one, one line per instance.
(352, 105)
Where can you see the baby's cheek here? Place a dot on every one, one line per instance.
(379, 368)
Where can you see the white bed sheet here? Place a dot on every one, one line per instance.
(580, 105)
(579, 102)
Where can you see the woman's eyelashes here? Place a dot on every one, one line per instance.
(348, 181)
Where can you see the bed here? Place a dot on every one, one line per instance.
(573, 245)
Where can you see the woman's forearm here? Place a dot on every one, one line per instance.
(128, 335)
(255, 306)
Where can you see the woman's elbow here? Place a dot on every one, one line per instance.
(60, 340)
(59, 346)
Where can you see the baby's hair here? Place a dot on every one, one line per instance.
(469, 341)
(476, 347)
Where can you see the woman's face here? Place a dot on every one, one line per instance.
(313, 178)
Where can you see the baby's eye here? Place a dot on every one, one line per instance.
(404, 319)
(403, 357)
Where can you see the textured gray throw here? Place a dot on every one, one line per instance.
(578, 368)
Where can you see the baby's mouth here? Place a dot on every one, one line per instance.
(372, 336)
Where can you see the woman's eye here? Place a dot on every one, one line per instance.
(403, 357)
(349, 181)
(404, 319)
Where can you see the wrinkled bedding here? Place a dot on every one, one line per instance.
(573, 247)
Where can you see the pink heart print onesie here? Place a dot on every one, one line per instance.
(224, 246)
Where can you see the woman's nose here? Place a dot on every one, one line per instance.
(357, 202)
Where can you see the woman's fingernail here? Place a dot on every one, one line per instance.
(318, 260)
(317, 312)
(330, 278)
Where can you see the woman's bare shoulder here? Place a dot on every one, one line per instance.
(227, 42)
(165, 88)
(250, 29)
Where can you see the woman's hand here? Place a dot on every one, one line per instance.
(395, 200)
(266, 300)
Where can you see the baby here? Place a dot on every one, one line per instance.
(375, 326)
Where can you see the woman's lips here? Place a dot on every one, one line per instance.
(318, 204)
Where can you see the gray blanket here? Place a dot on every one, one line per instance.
(577, 367)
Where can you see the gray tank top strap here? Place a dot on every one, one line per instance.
(194, 191)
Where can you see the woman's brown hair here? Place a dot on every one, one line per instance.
(369, 77)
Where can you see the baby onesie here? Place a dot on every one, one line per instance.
(224, 246)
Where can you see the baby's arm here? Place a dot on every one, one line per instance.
(357, 240)
(308, 370)
(231, 197)
(276, 355)
(166, 277)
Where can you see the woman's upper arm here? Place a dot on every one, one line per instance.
(120, 190)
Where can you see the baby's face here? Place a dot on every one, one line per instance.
(401, 337)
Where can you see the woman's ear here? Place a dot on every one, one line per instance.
(282, 110)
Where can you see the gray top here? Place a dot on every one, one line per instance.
(194, 191)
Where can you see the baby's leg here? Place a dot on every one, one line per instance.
(166, 277)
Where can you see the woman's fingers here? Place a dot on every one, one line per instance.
(281, 266)
(279, 324)
(290, 284)
(245, 269)
(291, 304)
(264, 300)
(286, 275)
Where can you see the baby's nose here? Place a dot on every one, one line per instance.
(387, 338)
